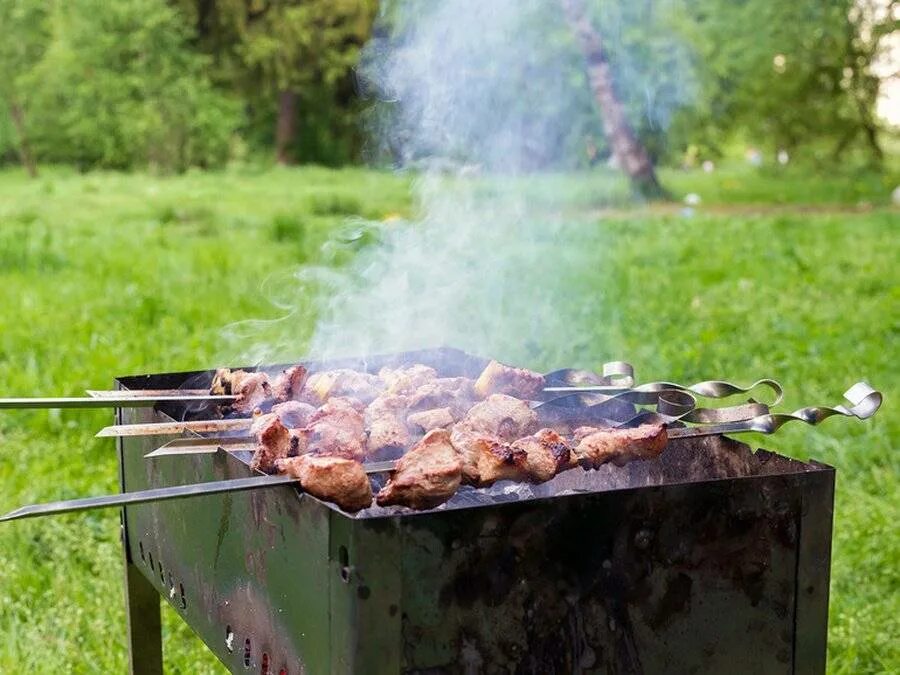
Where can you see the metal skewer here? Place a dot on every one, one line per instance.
(125, 401)
(166, 493)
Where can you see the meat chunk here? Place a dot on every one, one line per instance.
(620, 446)
(428, 420)
(444, 392)
(274, 442)
(334, 479)
(547, 453)
(486, 459)
(406, 380)
(497, 378)
(294, 414)
(288, 386)
(426, 476)
(344, 382)
(386, 424)
(337, 429)
(501, 416)
(251, 389)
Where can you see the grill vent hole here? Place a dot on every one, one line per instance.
(344, 560)
(150, 556)
(247, 651)
(162, 574)
(141, 547)
(183, 599)
(264, 667)
(229, 639)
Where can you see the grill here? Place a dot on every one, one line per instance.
(712, 558)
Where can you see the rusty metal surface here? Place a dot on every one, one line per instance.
(692, 562)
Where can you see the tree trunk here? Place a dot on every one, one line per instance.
(18, 119)
(626, 148)
(286, 128)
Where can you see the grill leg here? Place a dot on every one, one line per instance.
(144, 628)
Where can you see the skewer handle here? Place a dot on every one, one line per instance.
(108, 402)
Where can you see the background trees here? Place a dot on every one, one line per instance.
(178, 83)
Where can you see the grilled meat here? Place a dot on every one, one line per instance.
(497, 378)
(428, 420)
(274, 441)
(337, 429)
(455, 393)
(344, 382)
(620, 446)
(288, 386)
(386, 424)
(547, 453)
(487, 459)
(251, 389)
(333, 479)
(426, 476)
(293, 414)
(501, 416)
(406, 380)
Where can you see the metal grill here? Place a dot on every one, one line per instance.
(712, 559)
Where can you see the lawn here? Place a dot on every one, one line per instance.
(109, 274)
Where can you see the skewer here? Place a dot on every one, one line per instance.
(865, 402)
(169, 428)
(114, 393)
(166, 493)
(122, 401)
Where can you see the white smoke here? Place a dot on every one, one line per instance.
(474, 95)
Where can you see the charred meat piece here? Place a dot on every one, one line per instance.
(426, 476)
(428, 420)
(337, 429)
(251, 389)
(547, 453)
(501, 416)
(274, 441)
(497, 378)
(487, 459)
(386, 424)
(344, 382)
(334, 479)
(620, 446)
(406, 380)
(288, 386)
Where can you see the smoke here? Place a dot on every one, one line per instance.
(473, 96)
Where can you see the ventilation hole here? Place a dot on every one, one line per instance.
(171, 585)
(162, 574)
(247, 653)
(344, 560)
(229, 639)
(141, 548)
(183, 600)
(264, 666)
(150, 555)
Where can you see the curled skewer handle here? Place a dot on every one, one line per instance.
(864, 402)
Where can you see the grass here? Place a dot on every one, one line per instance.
(108, 274)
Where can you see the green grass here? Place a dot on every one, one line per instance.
(109, 274)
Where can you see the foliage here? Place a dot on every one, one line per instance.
(785, 73)
(123, 274)
(119, 87)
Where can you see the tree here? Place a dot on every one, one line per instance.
(285, 56)
(26, 25)
(626, 148)
(118, 87)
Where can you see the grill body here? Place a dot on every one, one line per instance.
(682, 565)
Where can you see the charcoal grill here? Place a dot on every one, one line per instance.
(710, 559)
